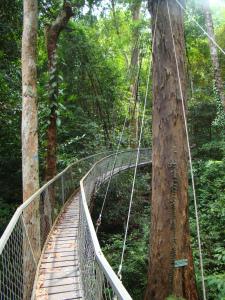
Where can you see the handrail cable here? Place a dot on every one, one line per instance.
(98, 223)
(203, 30)
(190, 157)
(138, 150)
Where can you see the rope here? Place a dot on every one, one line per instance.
(138, 153)
(203, 30)
(98, 223)
(99, 220)
(190, 158)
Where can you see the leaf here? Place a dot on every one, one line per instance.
(54, 84)
(58, 122)
(60, 77)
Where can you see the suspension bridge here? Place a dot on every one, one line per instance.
(50, 249)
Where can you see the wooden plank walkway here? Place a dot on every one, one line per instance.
(59, 274)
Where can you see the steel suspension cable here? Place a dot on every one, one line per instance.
(202, 29)
(98, 223)
(189, 154)
(138, 151)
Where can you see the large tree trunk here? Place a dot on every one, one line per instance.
(214, 54)
(169, 236)
(31, 217)
(53, 32)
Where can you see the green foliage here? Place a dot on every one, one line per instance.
(216, 286)
(210, 187)
(6, 209)
(135, 264)
(211, 197)
(10, 108)
(111, 232)
(92, 75)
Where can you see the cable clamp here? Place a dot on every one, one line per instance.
(98, 223)
(119, 272)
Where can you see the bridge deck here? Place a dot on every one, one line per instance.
(59, 274)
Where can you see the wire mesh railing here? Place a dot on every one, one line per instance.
(98, 279)
(23, 240)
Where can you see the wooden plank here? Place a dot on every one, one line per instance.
(63, 241)
(58, 251)
(70, 216)
(62, 269)
(61, 281)
(63, 289)
(61, 247)
(59, 255)
(56, 243)
(65, 231)
(68, 236)
(59, 264)
(61, 238)
(62, 296)
(59, 233)
(65, 226)
(57, 275)
(60, 259)
(68, 221)
(72, 235)
(72, 219)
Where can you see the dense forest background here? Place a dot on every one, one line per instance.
(93, 58)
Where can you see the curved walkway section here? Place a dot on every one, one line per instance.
(66, 258)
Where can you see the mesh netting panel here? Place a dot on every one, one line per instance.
(25, 236)
(98, 279)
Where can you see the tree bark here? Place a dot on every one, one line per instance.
(214, 53)
(31, 216)
(169, 235)
(53, 32)
(29, 104)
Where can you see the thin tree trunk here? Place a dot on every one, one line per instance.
(29, 105)
(53, 32)
(169, 236)
(134, 67)
(31, 217)
(115, 19)
(99, 108)
(214, 54)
